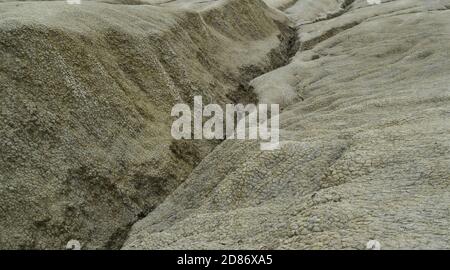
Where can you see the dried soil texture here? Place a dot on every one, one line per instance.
(365, 137)
(85, 98)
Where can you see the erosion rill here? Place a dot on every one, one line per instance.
(365, 136)
(86, 92)
(86, 151)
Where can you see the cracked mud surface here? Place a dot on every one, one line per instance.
(85, 97)
(365, 137)
(86, 150)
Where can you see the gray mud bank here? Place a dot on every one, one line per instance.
(86, 151)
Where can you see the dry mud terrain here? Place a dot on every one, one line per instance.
(86, 151)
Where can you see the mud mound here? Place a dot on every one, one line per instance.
(365, 144)
(85, 97)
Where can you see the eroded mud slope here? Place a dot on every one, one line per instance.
(85, 98)
(365, 143)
